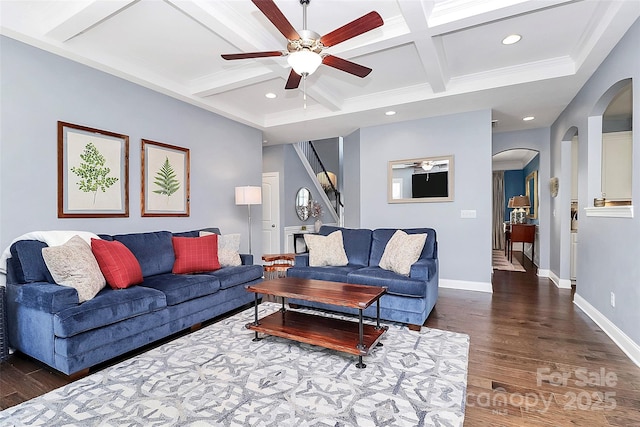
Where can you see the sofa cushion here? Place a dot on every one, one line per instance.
(381, 236)
(326, 250)
(402, 251)
(196, 233)
(179, 288)
(108, 307)
(195, 254)
(236, 275)
(27, 262)
(228, 249)
(117, 263)
(154, 250)
(73, 264)
(396, 284)
(333, 274)
(357, 243)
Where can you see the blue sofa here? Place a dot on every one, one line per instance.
(47, 322)
(408, 299)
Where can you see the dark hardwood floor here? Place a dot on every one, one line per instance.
(534, 359)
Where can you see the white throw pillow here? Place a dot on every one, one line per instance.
(402, 251)
(326, 250)
(228, 249)
(74, 265)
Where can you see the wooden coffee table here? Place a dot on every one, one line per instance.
(336, 334)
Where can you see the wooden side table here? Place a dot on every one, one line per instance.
(525, 233)
(277, 265)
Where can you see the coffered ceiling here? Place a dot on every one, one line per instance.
(430, 58)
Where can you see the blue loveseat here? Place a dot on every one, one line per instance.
(408, 299)
(47, 322)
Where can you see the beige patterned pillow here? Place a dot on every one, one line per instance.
(402, 251)
(228, 249)
(326, 250)
(74, 265)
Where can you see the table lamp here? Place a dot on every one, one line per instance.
(520, 203)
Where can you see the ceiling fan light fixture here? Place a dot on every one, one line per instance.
(304, 62)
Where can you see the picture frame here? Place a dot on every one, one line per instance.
(165, 173)
(93, 172)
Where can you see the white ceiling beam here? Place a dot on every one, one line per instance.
(243, 75)
(430, 49)
(91, 15)
(235, 28)
(455, 15)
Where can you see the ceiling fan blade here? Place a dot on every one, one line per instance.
(354, 28)
(252, 55)
(347, 66)
(294, 80)
(273, 14)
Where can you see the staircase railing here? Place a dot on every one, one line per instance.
(324, 180)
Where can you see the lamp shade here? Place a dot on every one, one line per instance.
(248, 195)
(510, 204)
(521, 202)
(304, 62)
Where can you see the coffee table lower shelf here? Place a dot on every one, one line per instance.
(328, 332)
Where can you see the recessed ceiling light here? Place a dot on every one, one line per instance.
(528, 118)
(390, 113)
(511, 39)
(270, 95)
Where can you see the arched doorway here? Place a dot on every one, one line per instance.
(513, 175)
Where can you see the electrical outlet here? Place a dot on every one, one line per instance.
(613, 299)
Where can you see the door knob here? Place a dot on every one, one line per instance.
(273, 226)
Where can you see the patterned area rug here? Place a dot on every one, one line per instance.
(218, 376)
(500, 262)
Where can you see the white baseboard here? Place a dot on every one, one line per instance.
(560, 283)
(465, 285)
(626, 344)
(543, 273)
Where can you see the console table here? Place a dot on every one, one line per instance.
(525, 233)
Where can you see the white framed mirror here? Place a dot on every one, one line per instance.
(425, 179)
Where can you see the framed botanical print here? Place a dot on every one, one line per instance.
(93, 172)
(165, 179)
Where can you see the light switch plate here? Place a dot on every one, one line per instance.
(468, 213)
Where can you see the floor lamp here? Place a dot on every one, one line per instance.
(249, 195)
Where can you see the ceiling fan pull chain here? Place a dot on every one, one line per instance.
(304, 91)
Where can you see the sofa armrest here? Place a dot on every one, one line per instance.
(247, 259)
(42, 296)
(424, 269)
(302, 260)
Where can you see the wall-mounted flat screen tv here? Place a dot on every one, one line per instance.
(433, 184)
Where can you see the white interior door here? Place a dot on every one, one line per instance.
(271, 213)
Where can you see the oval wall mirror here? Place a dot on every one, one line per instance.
(303, 201)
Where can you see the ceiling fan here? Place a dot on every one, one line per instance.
(304, 47)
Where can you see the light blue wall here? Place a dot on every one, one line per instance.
(464, 245)
(608, 248)
(351, 175)
(39, 88)
(293, 176)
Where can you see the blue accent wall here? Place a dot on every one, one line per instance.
(533, 165)
(513, 186)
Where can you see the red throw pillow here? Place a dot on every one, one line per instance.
(118, 264)
(195, 254)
